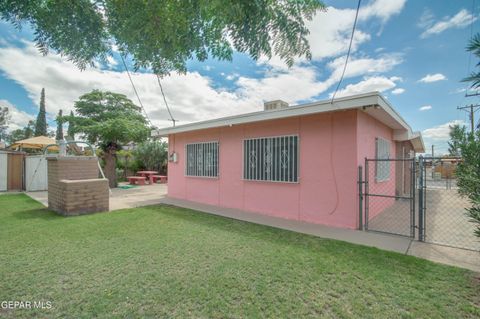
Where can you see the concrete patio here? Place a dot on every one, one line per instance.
(157, 194)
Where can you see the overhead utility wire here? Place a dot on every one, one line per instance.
(165, 100)
(135, 90)
(348, 53)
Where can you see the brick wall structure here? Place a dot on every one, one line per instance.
(74, 186)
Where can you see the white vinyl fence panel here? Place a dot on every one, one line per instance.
(3, 171)
(36, 173)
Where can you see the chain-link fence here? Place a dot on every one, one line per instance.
(417, 198)
(442, 210)
(389, 196)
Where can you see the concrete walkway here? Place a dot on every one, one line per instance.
(156, 194)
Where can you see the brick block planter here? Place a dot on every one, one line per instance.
(74, 187)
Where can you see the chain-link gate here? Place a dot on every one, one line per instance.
(387, 202)
(442, 210)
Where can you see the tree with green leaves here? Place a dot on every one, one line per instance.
(21, 133)
(152, 155)
(71, 126)
(457, 138)
(468, 171)
(15, 135)
(109, 120)
(29, 130)
(164, 35)
(59, 120)
(474, 47)
(4, 118)
(468, 144)
(41, 123)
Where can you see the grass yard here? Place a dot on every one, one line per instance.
(164, 261)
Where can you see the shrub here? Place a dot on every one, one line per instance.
(468, 171)
(152, 155)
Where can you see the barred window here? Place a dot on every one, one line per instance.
(201, 159)
(271, 159)
(382, 168)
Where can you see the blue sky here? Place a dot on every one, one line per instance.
(412, 51)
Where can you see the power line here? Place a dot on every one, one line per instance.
(349, 49)
(135, 90)
(471, 109)
(165, 100)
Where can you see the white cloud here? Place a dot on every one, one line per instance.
(426, 19)
(363, 66)
(439, 136)
(18, 118)
(398, 91)
(64, 83)
(231, 77)
(111, 61)
(378, 83)
(457, 91)
(429, 78)
(440, 132)
(192, 97)
(330, 31)
(460, 20)
(299, 82)
(425, 108)
(382, 9)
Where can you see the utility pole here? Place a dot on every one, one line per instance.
(433, 153)
(471, 109)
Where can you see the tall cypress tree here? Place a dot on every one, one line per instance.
(71, 127)
(41, 123)
(59, 120)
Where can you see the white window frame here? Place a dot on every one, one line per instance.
(294, 178)
(216, 157)
(382, 152)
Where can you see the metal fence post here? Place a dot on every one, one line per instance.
(421, 167)
(366, 197)
(413, 184)
(360, 198)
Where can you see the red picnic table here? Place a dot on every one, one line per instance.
(148, 175)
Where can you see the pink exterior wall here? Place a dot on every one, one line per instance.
(368, 129)
(329, 157)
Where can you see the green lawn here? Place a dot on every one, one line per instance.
(164, 261)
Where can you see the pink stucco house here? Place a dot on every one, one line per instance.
(295, 162)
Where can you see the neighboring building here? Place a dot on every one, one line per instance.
(296, 162)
